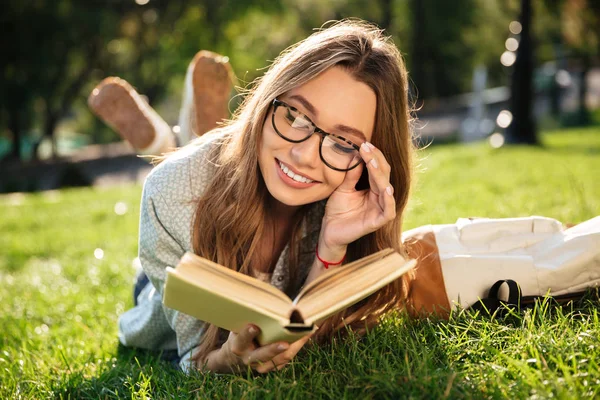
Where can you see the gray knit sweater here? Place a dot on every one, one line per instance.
(166, 216)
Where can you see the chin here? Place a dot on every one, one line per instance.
(286, 195)
(291, 199)
(295, 197)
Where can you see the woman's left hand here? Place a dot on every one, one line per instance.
(351, 214)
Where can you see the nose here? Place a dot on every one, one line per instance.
(307, 153)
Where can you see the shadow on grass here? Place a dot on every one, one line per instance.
(581, 149)
(469, 355)
(581, 141)
(130, 371)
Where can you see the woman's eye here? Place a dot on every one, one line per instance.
(290, 117)
(298, 122)
(343, 149)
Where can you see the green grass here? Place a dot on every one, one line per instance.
(59, 303)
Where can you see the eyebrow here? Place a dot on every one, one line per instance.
(339, 127)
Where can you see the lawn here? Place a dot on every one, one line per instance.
(66, 274)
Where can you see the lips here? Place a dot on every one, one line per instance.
(292, 177)
(294, 171)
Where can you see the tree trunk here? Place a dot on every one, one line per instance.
(14, 125)
(522, 130)
(49, 128)
(50, 122)
(58, 103)
(419, 67)
(583, 115)
(386, 14)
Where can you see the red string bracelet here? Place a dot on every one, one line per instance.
(326, 264)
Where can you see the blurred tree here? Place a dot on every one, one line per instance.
(387, 14)
(523, 128)
(486, 38)
(56, 50)
(16, 102)
(581, 29)
(52, 47)
(554, 42)
(440, 64)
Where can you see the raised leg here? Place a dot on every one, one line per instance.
(207, 89)
(118, 104)
(206, 93)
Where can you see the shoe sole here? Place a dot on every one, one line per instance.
(118, 104)
(212, 80)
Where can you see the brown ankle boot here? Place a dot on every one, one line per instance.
(125, 111)
(208, 84)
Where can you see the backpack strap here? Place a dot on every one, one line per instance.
(492, 302)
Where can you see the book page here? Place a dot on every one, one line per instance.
(358, 281)
(329, 278)
(215, 277)
(225, 311)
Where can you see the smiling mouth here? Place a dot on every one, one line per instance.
(294, 176)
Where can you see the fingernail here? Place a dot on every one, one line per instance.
(374, 162)
(282, 347)
(366, 147)
(389, 190)
(252, 330)
(369, 145)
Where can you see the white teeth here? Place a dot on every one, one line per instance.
(297, 178)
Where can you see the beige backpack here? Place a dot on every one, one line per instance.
(488, 262)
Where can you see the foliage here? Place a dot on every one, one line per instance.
(59, 303)
(56, 51)
(51, 50)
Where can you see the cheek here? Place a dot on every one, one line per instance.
(333, 179)
(265, 146)
(270, 141)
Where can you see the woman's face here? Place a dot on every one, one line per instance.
(338, 104)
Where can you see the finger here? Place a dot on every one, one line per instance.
(373, 152)
(301, 342)
(263, 368)
(381, 170)
(368, 152)
(265, 354)
(244, 340)
(285, 357)
(388, 205)
(383, 189)
(280, 367)
(281, 360)
(378, 167)
(351, 179)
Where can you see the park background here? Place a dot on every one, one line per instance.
(67, 255)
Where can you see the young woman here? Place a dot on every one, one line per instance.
(275, 194)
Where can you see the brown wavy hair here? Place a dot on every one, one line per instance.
(230, 216)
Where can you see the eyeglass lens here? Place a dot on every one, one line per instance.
(294, 126)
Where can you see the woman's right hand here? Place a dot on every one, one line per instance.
(240, 351)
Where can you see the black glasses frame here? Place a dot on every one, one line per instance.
(278, 103)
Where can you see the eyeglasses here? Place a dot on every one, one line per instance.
(337, 152)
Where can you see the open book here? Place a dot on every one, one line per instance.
(231, 300)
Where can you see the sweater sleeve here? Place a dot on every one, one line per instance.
(160, 248)
(166, 217)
